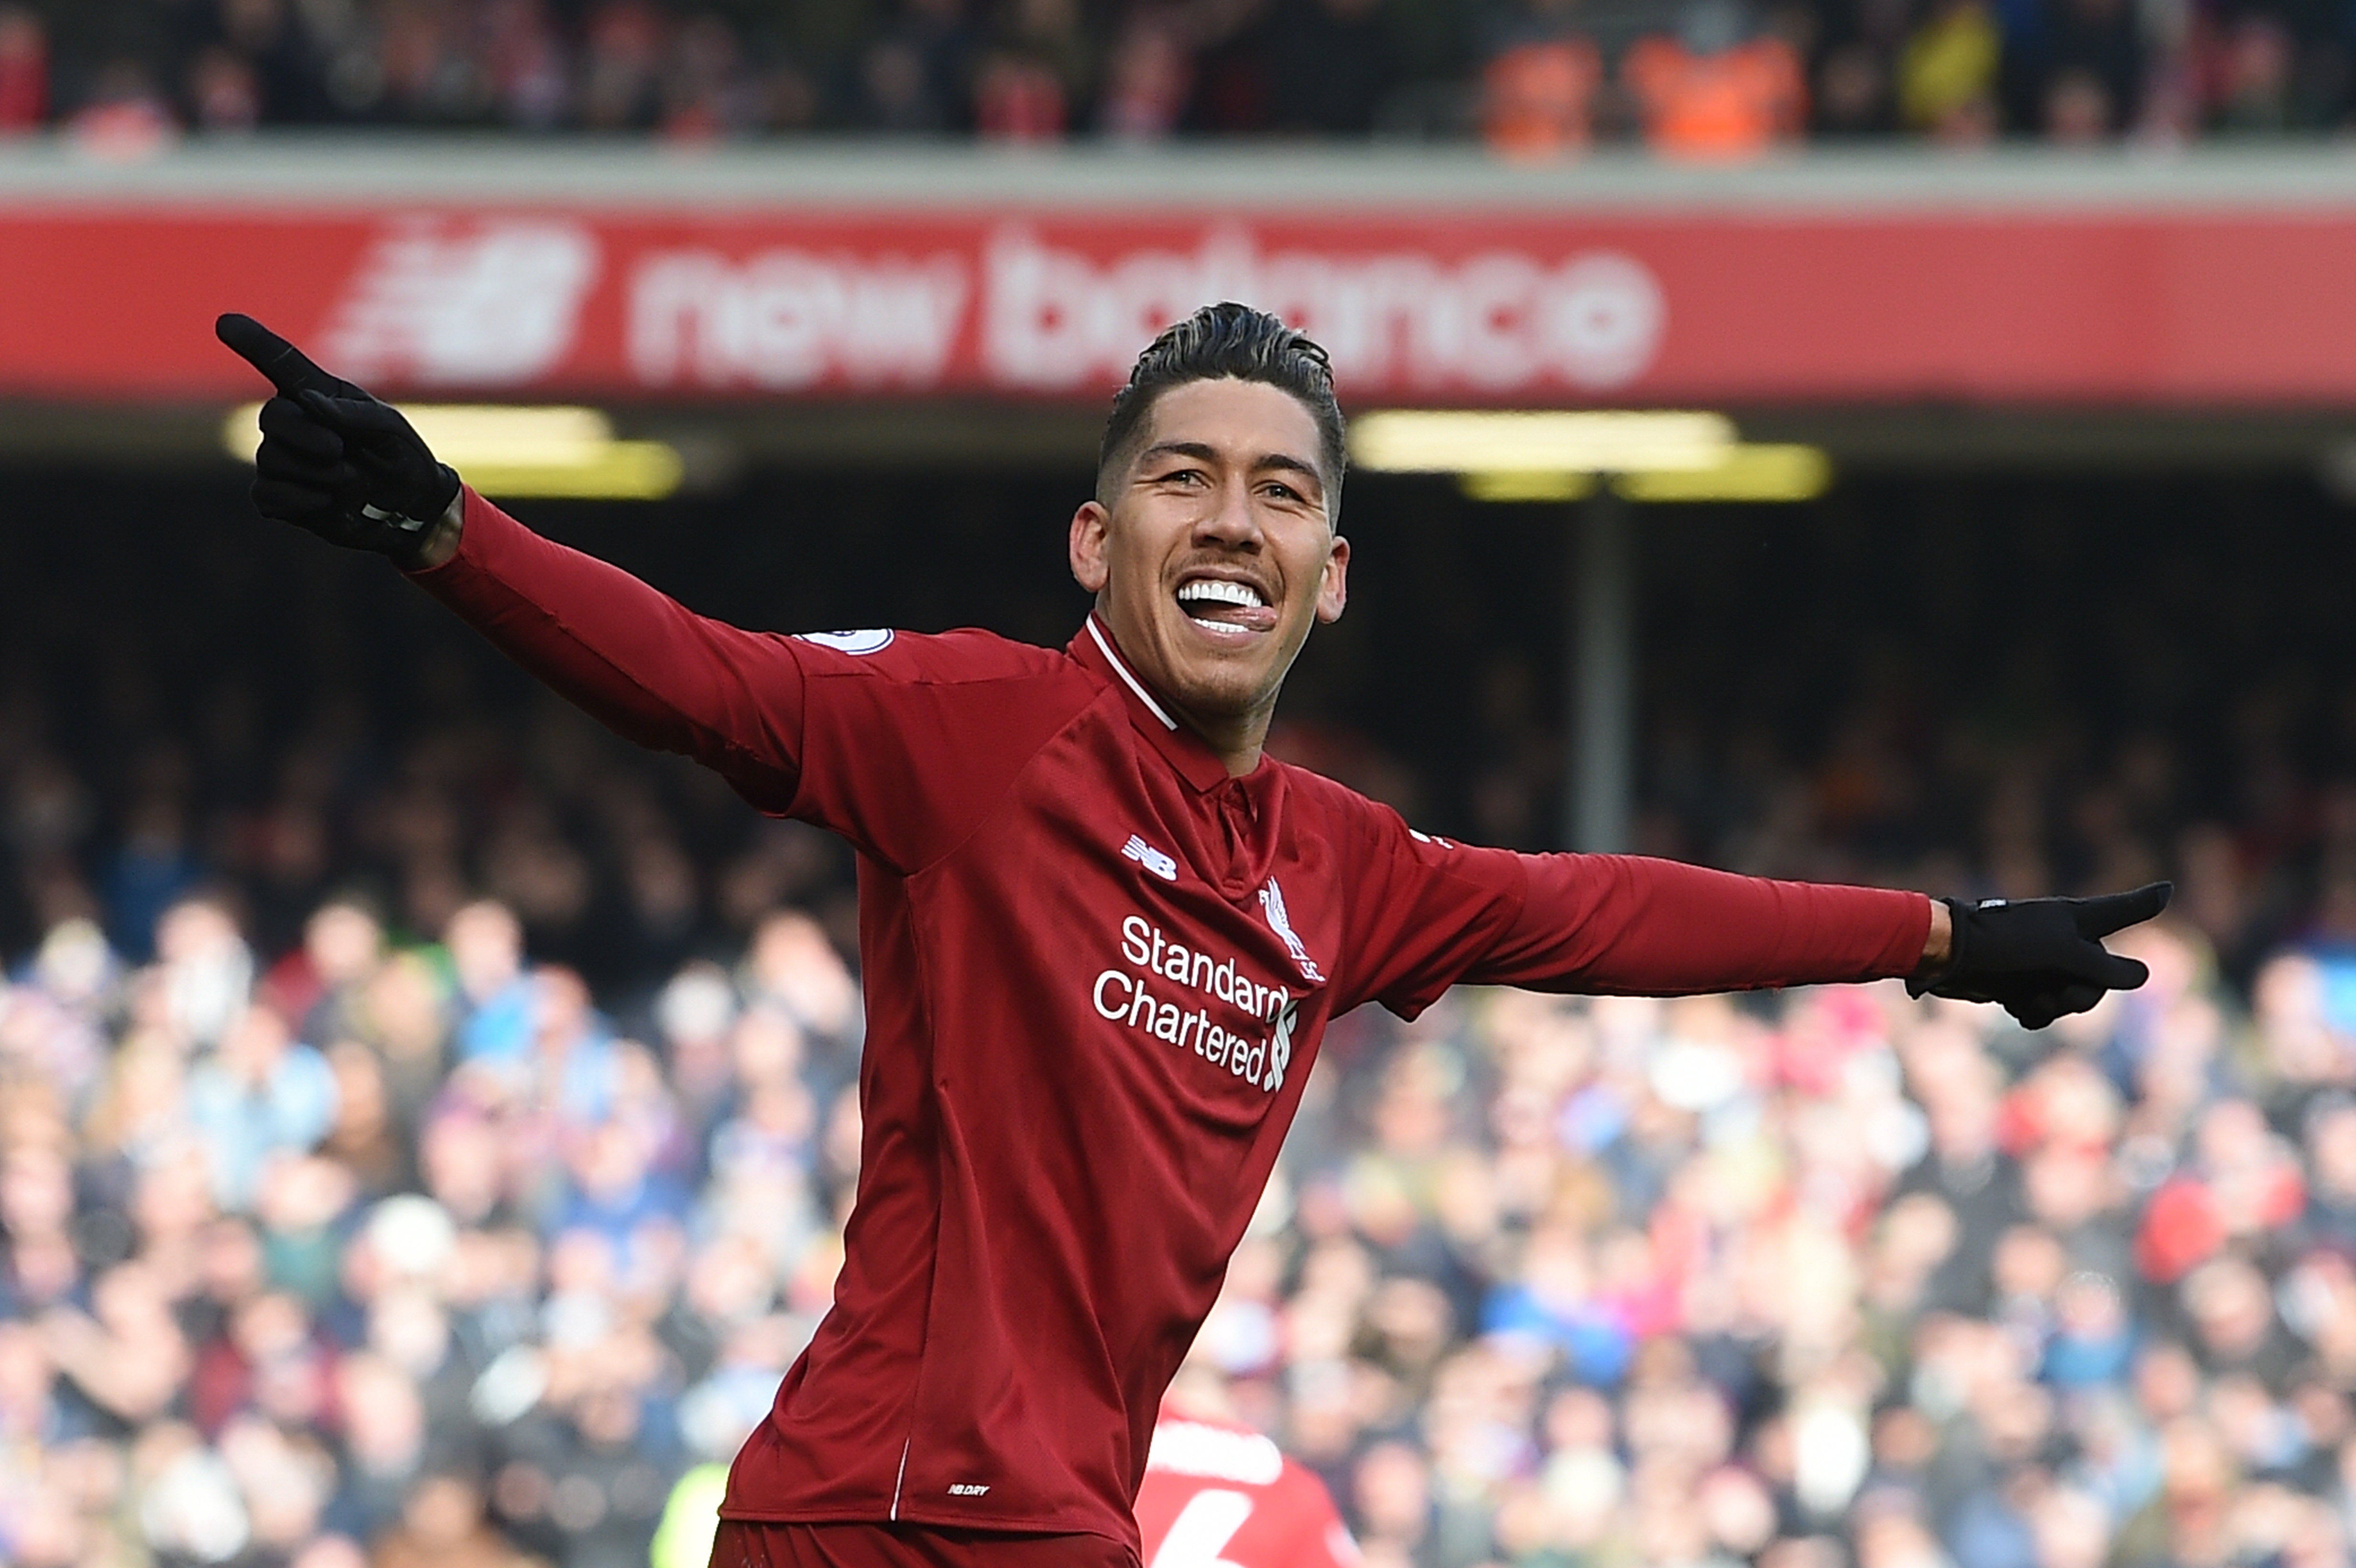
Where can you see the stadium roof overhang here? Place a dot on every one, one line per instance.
(869, 306)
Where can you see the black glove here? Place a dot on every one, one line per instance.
(333, 459)
(2042, 958)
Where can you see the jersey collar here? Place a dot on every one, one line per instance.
(1181, 747)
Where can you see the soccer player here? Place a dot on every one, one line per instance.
(1100, 933)
(1217, 1494)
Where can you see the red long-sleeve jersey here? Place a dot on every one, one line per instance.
(1097, 969)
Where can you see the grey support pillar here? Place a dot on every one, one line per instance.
(1602, 648)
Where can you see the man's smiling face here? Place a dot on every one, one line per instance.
(1211, 553)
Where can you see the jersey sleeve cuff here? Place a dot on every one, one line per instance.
(480, 523)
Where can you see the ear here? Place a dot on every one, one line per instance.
(1333, 588)
(1091, 531)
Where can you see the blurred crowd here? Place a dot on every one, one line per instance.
(420, 1252)
(1534, 79)
(426, 1123)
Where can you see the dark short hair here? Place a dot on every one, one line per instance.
(1224, 342)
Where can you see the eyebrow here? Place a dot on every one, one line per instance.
(1273, 461)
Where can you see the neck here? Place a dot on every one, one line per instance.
(1238, 739)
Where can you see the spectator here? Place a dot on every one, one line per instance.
(917, 75)
(263, 1094)
(2090, 70)
(1148, 79)
(1028, 70)
(705, 97)
(320, 986)
(1036, 73)
(259, 66)
(24, 71)
(525, 61)
(1948, 74)
(1538, 90)
(623, 57)
(153, 867)
(441, 1526)
(485, 942)
(1713, 92)
(2257, 70)
(125, 119)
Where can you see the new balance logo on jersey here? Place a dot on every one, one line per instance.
(967, 1490)
(1272, 903)
(1152, 859)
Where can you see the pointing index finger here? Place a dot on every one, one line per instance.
(271, 355)
(351, 416)
(2098, 917)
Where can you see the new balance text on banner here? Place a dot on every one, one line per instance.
(1514, 308)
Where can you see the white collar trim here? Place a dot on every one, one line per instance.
(1127, 679)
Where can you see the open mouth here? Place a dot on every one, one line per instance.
(1225, 607)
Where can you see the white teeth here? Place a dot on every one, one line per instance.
(1218, 590)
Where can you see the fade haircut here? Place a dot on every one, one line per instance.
(1229, 342)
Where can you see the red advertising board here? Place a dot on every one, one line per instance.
(1515, 307)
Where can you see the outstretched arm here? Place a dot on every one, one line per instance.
(1428, 913)
(1625, 923)
(635, 658)
(337, 462)
(1628, 924)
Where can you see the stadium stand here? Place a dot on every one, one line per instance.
(425, 1125)
(127, 74)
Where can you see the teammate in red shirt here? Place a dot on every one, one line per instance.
(1219, 1494)
(1101, 934)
